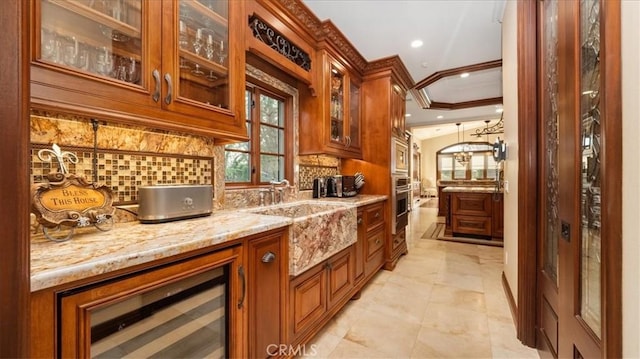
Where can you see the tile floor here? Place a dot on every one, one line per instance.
(443, 300)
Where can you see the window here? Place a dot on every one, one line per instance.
(481, 167)
(264, 157)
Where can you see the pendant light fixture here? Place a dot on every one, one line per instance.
(463, 157)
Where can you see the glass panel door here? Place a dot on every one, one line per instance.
(590, 170)
(550, 118)
(203, 41)
(99, 37)
(354, 115)
(336, 104)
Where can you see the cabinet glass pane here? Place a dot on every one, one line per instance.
(203, 40)
(186, 319)
(336, 105)
(101, 37)
(590, 170)
(549, 83)
(354, 115)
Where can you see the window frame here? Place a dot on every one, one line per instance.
(256, 88)
(448, 152)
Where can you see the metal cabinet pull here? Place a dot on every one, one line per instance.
(359, 220)
(244, 286)
(156, 78)
(268, 257)
(167, 99)
(377, 215)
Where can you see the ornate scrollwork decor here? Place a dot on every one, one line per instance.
(266, 34)
(69, 200)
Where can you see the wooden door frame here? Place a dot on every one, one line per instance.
(528, 176)
(14, 183)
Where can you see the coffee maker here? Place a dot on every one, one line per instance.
(319, 187)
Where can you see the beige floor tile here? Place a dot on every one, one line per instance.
(433, 343)
(388, 334)
(463, 281)
(443, 300)
(460, 298)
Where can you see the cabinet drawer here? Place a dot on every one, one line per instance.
(374, 252)
(472, 225)
(471, 204)
(374, 243)
(374, 216)
(399, 238)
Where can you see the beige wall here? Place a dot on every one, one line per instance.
(429, 147)
(630, 176)
(510, 105)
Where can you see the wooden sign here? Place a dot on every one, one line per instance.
(72, 201)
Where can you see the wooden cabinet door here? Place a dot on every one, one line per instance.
(340, 277)
(202, 299)
(308, 300)
(95, 54)
(203, 62)
(471, 204)
(268, 271)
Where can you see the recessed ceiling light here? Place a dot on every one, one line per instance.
(464, 75)
(407, 115)
(439, 117)
(416, 43)
(424, 64)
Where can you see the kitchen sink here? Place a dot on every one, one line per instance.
(318, 231)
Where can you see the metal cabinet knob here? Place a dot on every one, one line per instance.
(268, 257)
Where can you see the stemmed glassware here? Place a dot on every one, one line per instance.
(198, 41)
(197, 71)
(222, 52)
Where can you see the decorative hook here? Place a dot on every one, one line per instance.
(45, 155)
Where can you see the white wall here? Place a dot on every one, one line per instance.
(510, 105)
(630, 178)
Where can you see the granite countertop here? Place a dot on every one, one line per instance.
(91, 252)
(473, 189)
(94, 252)
(359, 200)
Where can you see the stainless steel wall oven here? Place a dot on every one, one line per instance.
(399, 202)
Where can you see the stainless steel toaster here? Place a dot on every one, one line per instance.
(163, 203)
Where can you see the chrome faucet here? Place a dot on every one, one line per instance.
(281, 197)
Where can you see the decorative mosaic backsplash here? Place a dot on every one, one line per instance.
(308, 173)
(125, 172)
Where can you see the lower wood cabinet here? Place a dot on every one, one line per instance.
(318, 293)
(227, 301)
(474, 214)
(268, 272)
(190, 307)
(374, 236)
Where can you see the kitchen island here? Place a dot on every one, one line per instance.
(473, 211)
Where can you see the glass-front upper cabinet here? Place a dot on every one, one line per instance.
(97, 37)
(171, 64)
(336, 105)
(203, 51)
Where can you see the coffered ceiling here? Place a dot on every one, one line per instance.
(455, 34)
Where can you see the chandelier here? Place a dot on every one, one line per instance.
(463, 157)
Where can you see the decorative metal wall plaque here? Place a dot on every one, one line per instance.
(67, 201)
(266, 34)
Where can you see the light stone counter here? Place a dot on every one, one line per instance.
(95, 252)
(92, 252)
(471, 189)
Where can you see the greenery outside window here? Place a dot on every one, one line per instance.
(264, 157)
(481, 167)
